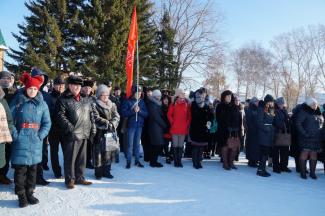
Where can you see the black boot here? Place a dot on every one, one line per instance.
(176, 157)
(200, 158)
(107, 171)
(39, 176)
(22, 200)
(42, 181)
(302, 164)
(98, 173)
(128, 165)
(312, 165)
(138, 164)
(180, 155)
(261, 170)
(31, 199)
(297, 164)
(195, 157)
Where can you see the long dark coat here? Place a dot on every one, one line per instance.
(265, 128)
(228, 118)
(309, 125)
(106, 119)
(156, 123)
(294, 148)
(199, 133)
(252, 144)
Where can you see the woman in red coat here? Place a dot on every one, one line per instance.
(179, 117)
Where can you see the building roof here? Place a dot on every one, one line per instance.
(2, 42)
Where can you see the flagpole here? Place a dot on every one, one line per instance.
(136, 117)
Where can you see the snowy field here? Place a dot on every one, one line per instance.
(175, 191)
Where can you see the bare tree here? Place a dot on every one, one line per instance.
(317, 43)
(195, 25)
(215, 80)
(252, 65)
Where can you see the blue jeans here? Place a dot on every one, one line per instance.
(134, 136)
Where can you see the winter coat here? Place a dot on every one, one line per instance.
(4, 103)
(10, 93)
(106, 120)
(309, 124)
(294, 148)
(129, 113)
(27, 146)
(179, 117)
(252, 144)
(265, 128)
(75, 117)
(167, 134)
(229, 121)
(199, 132)
(56, 126)
(156, 123)
(282, 121)
(117, 100)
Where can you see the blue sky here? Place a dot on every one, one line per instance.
(261, 20)
(245, 20)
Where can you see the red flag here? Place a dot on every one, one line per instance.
(133, 37)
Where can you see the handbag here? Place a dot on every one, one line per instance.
(110, 142)
(283, 139)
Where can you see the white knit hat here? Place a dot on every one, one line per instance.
(310, 101)
(156, 93)
(178, 92)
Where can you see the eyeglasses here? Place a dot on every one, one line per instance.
(105, 95)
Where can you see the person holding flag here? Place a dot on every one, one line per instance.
(134, 109)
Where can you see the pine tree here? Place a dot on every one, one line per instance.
(106, 28)
(46, 40)
(165, 57)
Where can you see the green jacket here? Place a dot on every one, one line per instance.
(10, 124)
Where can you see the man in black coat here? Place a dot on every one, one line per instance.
(76, 119)
(156, 127)
(55, 135)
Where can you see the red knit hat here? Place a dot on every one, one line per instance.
(30, 81)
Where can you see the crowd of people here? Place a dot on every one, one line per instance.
(86, 118)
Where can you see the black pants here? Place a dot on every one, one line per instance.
(211, 147)
(45, 154)
(155, 151)
(265, 152)
(120, 136)
(89, 153)
(75, 153)
(25, 178)
(280, 157)
(4, 170)
(146, 146)
(55, 140)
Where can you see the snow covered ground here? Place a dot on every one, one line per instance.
(176, 191)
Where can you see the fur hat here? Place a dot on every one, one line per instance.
(89, 83)
(30, 81)
(58, 81)
(268, 98)
(75, 80)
